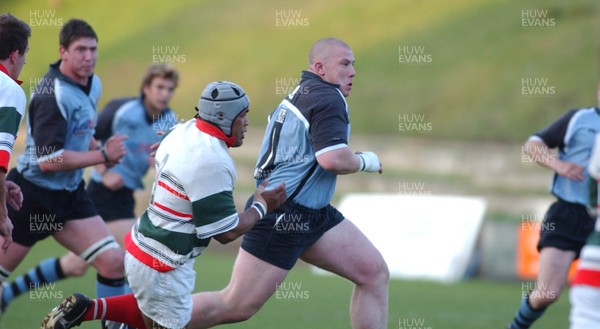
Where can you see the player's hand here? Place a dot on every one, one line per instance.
(570, 170)
(112, 180)
(6, 228)
(14, 197)
(115, 149)
(271, 198)
(370, 162)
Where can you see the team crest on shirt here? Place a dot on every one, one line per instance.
(82, 121)
(84, 127)
(281, 116)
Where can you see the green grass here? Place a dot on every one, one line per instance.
(480, 53)
(470, 90)
(470, 304)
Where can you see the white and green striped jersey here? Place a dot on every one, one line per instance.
(192, 199)
(12, 109)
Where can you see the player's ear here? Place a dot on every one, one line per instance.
(319, 68)
(13, 56)
(62, 50)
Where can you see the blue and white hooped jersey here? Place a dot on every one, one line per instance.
(310, 121)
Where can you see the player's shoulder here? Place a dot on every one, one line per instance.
(580, 116)
(321, 97)
(194, 155)
(128, 108)
(586, 111)
(9, 89)
(191, 145)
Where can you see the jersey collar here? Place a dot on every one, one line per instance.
(212, 130)
(3, 69)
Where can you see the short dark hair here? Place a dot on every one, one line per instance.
(14, 35)
(75, 29)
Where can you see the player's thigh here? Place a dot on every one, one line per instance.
(79, 234)
(554, 267)
(346, 251)
(90, 239)
(253, 281)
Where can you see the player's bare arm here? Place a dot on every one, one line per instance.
(540, 153)
(343, 161)
(6, 225)
(267, 202)
(110, 154)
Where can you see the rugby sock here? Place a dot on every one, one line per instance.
(106, 287)
(123, 309)
(4, 274)
(526, 315)
(47, 271)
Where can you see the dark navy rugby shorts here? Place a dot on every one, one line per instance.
(566, 227)
(284, 234)
(112, 205)
(44, 211)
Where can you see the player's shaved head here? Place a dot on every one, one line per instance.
(320, 49)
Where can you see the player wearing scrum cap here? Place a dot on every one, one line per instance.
(192, 202)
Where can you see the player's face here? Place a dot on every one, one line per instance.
(158, 94)
(79, 60)
(238, 128)
(339, 68)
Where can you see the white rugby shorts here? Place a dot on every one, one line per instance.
(584, 307)
(164, 297)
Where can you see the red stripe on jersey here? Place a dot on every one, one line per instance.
(171, 190)
(143, 257)
(171, 211)
(4, 159)
(587, 277)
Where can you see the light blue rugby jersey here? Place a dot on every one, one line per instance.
(61, 116)
(310, 121)
(127, 116)
(573, 134)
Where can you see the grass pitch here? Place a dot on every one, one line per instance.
(307, 300)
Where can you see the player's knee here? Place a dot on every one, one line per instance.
(542, 298)
(374, 272)
(110, 263)
(244, 312)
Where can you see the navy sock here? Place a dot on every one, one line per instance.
(106, 287)
(526, 315)
(47, 271)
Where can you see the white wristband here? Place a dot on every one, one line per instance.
(260, 208)
(370, 162)
(362, 163)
